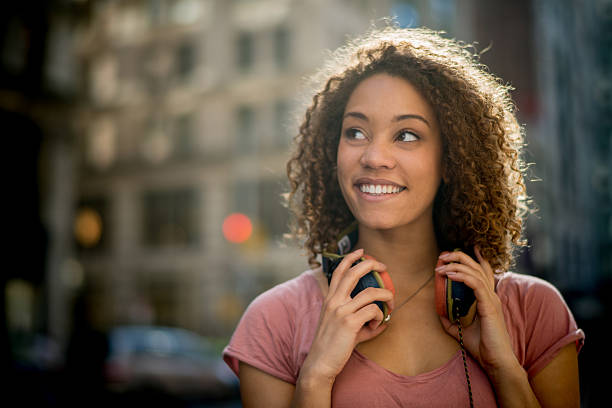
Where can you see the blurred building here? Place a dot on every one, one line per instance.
(186, 119)
(574, 127)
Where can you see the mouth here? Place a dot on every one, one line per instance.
(379, 188)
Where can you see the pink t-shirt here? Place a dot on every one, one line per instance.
(277, 330)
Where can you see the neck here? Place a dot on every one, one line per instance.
(410, 253)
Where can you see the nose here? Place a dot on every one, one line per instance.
(377, 155)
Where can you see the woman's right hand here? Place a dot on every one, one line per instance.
(345, 321)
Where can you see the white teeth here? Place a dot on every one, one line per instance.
(379, 189)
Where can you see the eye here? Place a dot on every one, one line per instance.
(355, 134)
(407, 136)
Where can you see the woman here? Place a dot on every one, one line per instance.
(413, 142)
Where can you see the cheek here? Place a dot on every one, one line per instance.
(430, 171)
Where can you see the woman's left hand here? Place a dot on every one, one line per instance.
(486, 339)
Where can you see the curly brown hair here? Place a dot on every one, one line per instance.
(482, 199)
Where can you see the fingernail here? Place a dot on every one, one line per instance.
(444, 255)
(450, 273)
(440, 268)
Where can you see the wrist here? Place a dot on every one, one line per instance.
(312, 377)
(510, 370)
(508, 374)
(312, 390)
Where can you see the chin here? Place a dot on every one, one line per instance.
(393, 219)
(380, 223)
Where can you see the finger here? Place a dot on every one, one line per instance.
(457, 267)
(355, 321)
(472, 281)
(366, 314)
(482, 260)
(372, 329)
(344, 265)
(484, 296)
(486, 266)
(480, 288)
(367, 296)
(458, 256)
(350, 278)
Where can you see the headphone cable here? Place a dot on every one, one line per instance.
(465, 367)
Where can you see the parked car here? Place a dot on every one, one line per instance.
(153, 362)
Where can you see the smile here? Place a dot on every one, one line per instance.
(380, 189)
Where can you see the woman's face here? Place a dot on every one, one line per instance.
(389, 154)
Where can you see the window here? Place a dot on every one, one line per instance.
(183, 135)
(281, 47)
(185, 60)
(272, 214)
(170, 218)
(246, 132)
(156, 12)
(246, 53)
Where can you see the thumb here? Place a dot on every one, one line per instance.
(370, 330)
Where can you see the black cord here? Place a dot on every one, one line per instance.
(465, 367)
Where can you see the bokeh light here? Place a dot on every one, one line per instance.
(237, 228)
(88, 227)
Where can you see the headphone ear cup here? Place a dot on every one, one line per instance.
(387, 284)
(384, 280)
(441, 295)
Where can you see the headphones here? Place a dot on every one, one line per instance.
(454, 300)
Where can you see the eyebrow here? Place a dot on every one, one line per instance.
(397, 118)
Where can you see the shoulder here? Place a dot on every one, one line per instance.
(270, 333)
(538, 319)
(526, 288)
(288, 297)
(531, 297)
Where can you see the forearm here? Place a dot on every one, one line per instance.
(312, 390)
(512, 388)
